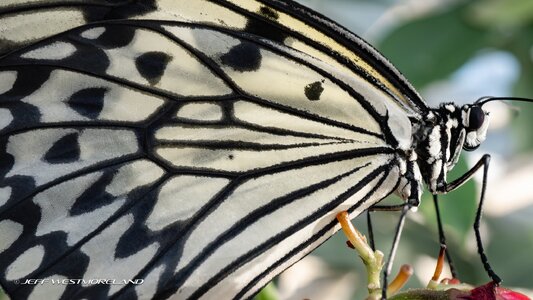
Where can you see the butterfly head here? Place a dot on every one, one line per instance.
(475, 121)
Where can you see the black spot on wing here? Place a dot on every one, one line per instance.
(119, 9)
(152, 65)
(313, 91)
(65, 150)
(244, 57)
(268, 12)
(95, 196)
(88, 102)
(115, 37)
(89, 56)
(264, 29)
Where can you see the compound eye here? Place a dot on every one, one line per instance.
(476, 118)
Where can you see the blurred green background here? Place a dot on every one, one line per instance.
(450, 51)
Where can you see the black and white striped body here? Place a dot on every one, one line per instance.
(202, 146)
(439, 139)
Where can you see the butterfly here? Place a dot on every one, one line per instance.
(198, 147)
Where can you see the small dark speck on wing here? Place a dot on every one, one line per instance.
(313, 91)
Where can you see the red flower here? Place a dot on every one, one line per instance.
(491, 291)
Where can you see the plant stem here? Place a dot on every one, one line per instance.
(373, 260)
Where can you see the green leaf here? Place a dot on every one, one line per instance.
(499, 14)
(434, 46)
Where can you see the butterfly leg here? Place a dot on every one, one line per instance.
(483, 162)
(370, 230)
(392, 254)
(442, 237)
(404, 208)
(397, 207)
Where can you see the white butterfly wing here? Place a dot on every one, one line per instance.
(201, 159)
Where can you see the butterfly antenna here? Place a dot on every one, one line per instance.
(483, 100)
